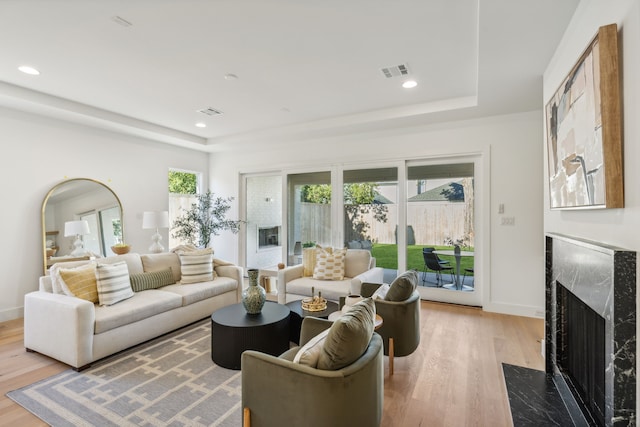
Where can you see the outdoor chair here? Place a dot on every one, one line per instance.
(444, 262)
(433, 262)
(466, 271)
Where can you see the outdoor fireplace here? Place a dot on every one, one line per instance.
(590, 329)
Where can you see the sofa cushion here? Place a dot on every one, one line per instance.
(152, 279)
(140, 306)
(348, 337)
(79, 281)
(134, 263)
(196, 266)
(402, 286)
(195, 292)
(309, 354)
(158, 262)
(113, 283)
(329, 264)
(331, 289)
(357, 261)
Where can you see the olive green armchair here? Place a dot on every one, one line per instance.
(278, 392)
(400, 329)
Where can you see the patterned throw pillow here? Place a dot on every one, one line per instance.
(113, 283)
(196, 266)
(80, 282)
(329, 264)
(151, 280)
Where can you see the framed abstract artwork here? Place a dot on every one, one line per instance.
(584, 135)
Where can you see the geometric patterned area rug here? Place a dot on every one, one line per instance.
(168, 381)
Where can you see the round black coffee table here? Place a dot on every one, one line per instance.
(234, 331)
(297, 314)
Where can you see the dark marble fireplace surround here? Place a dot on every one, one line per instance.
(604, 278)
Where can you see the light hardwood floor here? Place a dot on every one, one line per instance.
(453, 379)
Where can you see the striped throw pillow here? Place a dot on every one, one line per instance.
(113, 283)
(329, 265)
(80, 282)
(196, 266)
(151, 279)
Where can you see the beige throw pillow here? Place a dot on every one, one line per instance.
(308, 261)
(310, 352)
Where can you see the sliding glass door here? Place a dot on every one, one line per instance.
(441, 235)
(397, 210)
(370, 205)
(309, 212)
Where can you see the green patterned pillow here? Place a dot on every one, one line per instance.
(152, 280)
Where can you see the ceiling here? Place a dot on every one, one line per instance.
(145, 67)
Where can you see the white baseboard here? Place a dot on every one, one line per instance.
(11, 314)
(515, 310)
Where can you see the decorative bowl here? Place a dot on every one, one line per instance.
(314, 304)
(120, 250)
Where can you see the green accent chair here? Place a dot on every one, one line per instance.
(278, 392)
(400, 328)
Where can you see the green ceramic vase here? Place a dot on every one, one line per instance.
(254, 296)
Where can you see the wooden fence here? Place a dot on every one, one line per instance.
(428, 223)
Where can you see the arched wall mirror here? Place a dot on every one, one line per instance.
(86, 201)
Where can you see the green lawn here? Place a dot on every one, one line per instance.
(387, 257)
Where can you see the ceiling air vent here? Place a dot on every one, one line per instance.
(395, 71)
(210, 111)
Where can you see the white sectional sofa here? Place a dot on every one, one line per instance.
(359, 267)
(78, 332)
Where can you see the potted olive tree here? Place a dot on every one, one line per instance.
(205, 218)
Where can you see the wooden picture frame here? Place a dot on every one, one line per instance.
(584, 131)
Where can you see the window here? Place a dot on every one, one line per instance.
(183, 186)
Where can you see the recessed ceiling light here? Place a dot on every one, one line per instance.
(201, 125)
(409, 84)
(28, 70)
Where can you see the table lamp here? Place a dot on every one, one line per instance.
(155, 220)
(77, 228)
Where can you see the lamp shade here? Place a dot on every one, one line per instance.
(74, 228)
(155, 219)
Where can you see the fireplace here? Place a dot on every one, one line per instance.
(268, 236)
(580, 352)
(590, 329)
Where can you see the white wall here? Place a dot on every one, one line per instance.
(514, 275)
(614, 226)
(620, 227)
(38, 153)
